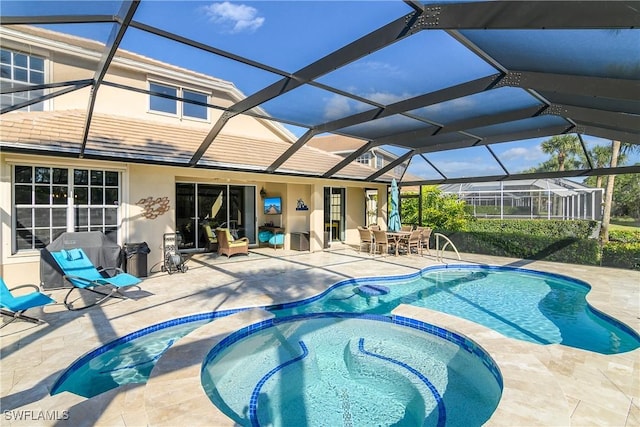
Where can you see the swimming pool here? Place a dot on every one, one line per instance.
(346, 369)
(551, 309)
(537, 307)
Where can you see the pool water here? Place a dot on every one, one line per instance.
(121, 362)
(328, 371)
(522, 304)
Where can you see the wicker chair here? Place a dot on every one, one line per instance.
(381, 241)
(424, 240)
(366, 238)
(227, 246)
(413, 241)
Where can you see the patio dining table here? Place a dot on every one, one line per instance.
(397, 236)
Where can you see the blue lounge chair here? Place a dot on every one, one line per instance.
(83, 275)
(15, 306)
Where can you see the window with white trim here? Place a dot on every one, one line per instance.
(379, 162)
(47, 201)
(20, 69)
(364, 158)
(161, 104)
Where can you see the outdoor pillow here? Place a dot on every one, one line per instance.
(72, 254)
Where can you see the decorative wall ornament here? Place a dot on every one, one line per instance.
(301, 206)
(153, 208)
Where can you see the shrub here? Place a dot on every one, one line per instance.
(536, 227)
(521, 245)
(621, 255)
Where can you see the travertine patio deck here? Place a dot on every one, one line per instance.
(544, 385)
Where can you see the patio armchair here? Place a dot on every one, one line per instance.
(228, 246)
(406, 228)
(80, 272)
(15, 306)
(366, 239)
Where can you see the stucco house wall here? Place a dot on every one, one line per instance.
(70, 59)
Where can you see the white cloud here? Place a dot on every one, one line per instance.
(336, 107)
(234, 18)
(522, 153)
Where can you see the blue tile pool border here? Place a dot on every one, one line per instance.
(462, 342)
(442, 412)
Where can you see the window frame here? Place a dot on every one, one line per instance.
(29, 72)
(180, 92)
(364, 158)
(109, 209)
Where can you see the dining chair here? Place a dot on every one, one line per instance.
(366, 239)
(381, 241)
(424, 239)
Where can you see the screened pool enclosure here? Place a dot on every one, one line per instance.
(533, 199)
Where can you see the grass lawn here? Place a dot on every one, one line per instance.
(624, 224)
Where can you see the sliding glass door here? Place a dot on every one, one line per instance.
(229, 206)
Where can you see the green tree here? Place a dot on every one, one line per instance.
(565, 149)
(626, 196)
(441, 211)
(618, 149)
(600, 157)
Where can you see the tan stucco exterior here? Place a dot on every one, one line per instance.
(142, 181)
(119, 116)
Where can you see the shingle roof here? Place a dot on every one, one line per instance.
(123, 138)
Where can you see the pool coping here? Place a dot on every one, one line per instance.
(180, 368)
(600, 389)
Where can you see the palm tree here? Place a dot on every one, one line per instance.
(600, 157)
(562, 147)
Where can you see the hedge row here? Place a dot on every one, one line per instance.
(553, 228)
(521, 245)
(621, 255)
(558, 241)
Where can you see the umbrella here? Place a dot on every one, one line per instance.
(394, 214)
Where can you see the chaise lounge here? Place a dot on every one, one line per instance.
(83, 275)
(15, 306)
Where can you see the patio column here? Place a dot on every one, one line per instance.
(316, 218)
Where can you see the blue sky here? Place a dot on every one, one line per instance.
(290, 35)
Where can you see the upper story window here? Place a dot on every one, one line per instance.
(364, 158)
(379, 162)
(20, 69)
(175, 107)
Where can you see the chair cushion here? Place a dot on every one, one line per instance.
(264, 236)
(277, 239)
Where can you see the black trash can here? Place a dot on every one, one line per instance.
(135, 260)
